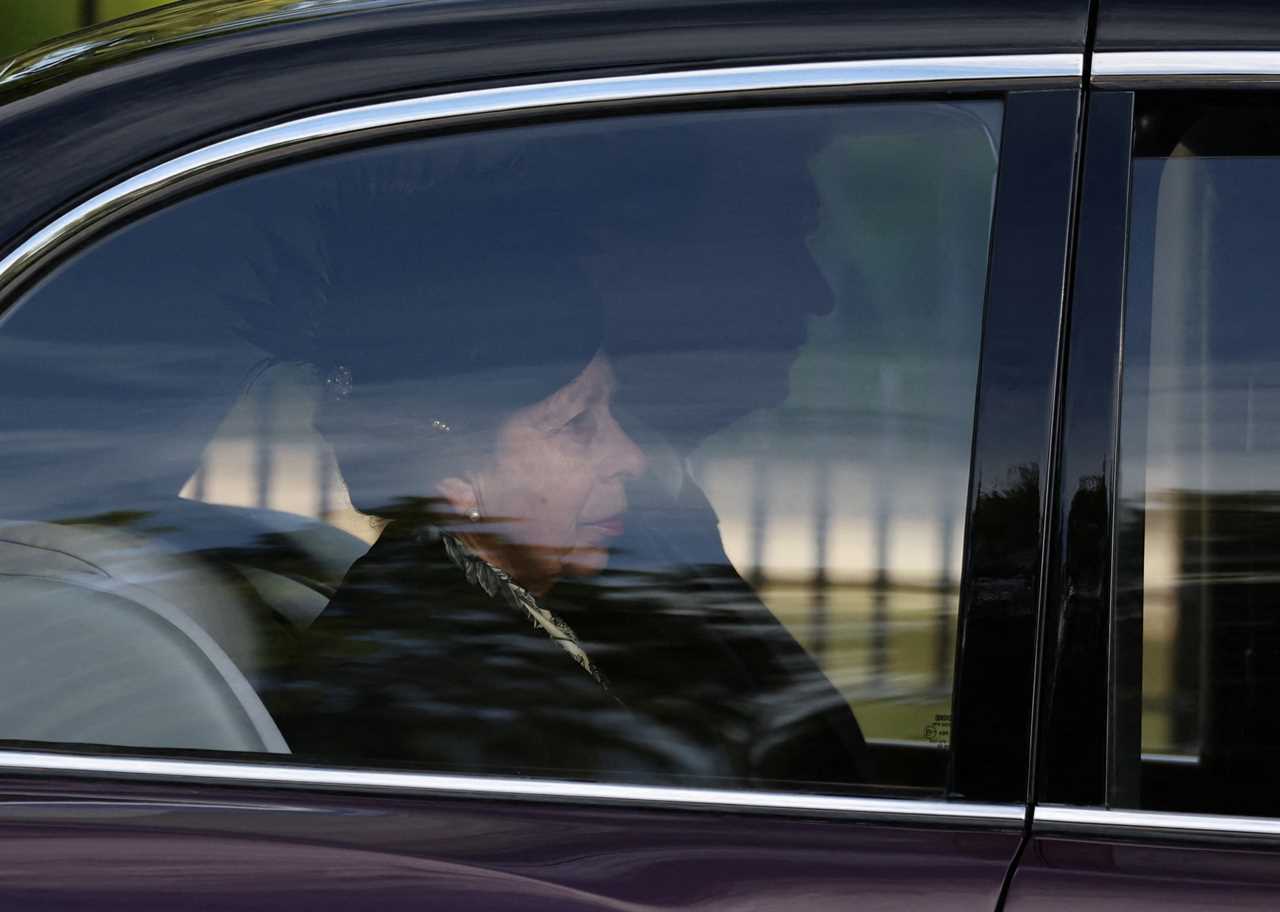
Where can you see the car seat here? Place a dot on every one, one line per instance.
(110, 638)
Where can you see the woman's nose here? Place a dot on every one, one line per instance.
(622, 455)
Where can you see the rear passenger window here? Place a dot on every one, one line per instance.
(1199, 515)
(629, 449)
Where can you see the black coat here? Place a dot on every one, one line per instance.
(411, 665)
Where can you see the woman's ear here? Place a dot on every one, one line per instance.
(460, 493)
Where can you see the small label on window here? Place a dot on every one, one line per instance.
(939, 730)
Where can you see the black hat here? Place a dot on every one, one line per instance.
(445, 266)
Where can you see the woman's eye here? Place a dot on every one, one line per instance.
(582, 425)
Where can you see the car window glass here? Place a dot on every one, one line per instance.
(1200, 457)
(629, 449)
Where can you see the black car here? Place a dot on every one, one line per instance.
(727, 454)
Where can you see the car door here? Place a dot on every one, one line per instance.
(181, 512)
(1155, 780)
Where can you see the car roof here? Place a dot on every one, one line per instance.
(102, 103)
(195, 20)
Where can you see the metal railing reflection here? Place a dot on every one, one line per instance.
(1210, 568)
(864, 570)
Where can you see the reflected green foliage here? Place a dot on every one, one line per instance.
(25, 23)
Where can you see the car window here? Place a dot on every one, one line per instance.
(1197, 539)
(628, 449)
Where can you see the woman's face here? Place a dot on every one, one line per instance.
(552, 497)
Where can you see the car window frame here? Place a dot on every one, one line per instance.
(1074, 795)
(1037, 79)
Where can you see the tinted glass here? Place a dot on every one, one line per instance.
(628, 449)
(1199, 542)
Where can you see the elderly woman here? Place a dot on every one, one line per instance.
(471, 403)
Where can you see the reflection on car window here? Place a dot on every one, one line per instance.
(631, 449)
(1199, 545)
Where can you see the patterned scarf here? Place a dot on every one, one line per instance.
(498, 583)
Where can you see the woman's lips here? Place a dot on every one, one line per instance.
(610, 525)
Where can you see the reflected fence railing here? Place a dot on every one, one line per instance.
(860, 560)
(872, 592)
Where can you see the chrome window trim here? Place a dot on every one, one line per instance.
(920, 71)
(1127, 68)
(1052, 817)
(261, 774)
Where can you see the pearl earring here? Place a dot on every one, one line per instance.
(473, 514)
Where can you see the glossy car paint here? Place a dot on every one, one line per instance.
(123, 101)
(1073, 698)
(1130, 872)
(1187, 25)
(72, 844)
(1013, 443)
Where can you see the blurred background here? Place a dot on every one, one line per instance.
(27, 23)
